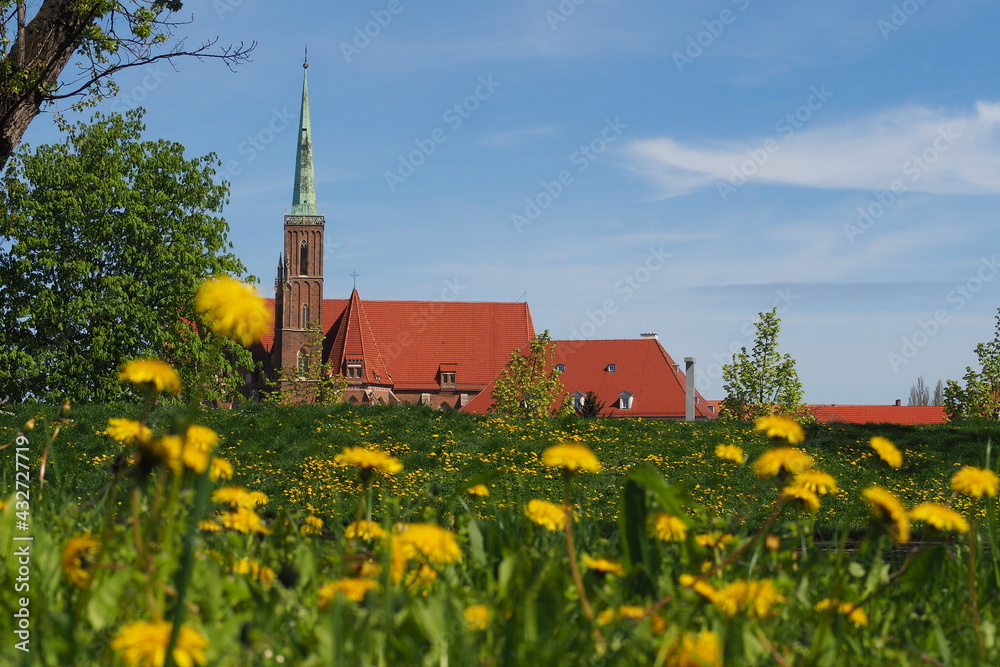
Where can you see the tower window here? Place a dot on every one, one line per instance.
(303, 258)
(303, 362)
(305, 315)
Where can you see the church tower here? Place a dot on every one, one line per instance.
(298, 287)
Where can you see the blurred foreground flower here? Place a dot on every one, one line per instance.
(477, 617)
(78, 559)
(781, 428)
(546, 514)
(668, 527)
(887, 452)
(691, 649)
(941, 517)
(853, 612)
(151, 373)
(571, 457)
(233, 309)
(354, 589)
(780, 460)
(604, 565)
(144, 644)
(368, 459)
(887, 507)
(730, 453)
(975, 482)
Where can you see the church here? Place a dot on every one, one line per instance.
(443, 354)
(436, 353)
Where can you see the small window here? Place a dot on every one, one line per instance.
(303, 362)
(447, 378)
(561, 368)
(610, 368)
(578, 398)
(303, 258)
(305, 315)
(625, 400)
(354, 369)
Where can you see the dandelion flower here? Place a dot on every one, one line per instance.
(78, 559)
(699, 586)
(312, 525)
(244, 520)
(806, 497)
(604, 565)
(431, 542)
(221, 469)
(237, 496)
(354, 589)
(730, 453)
(754, 597)
(571, 457)
(199, 441)
(941, 517)
(153, 373)
(233, 309)
(368, 459)
(817, 481)
(701, 649)
(888, 508)
(257, 572)
(477, 616)
(781, 459)
(975, 482)
(170, 450)
(781, 428)
(128, 431)
(546, 514)
(854, 613)
(668, 527)
(144, 644)
(712, 540)
(479, 490)
(887, 452)
(366, 530)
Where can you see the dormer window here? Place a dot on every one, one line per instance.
(354, 369)
(578, 398)
(448, 378)
(448, 375)
(625, 400)
(561, 368)
(610, 368)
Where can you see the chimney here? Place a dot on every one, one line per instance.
(899, 402)
(689, 392)
(649, 335)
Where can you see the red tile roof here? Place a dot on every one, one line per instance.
(883, 414)
(642, 367)
(353, 338)
(412, 339)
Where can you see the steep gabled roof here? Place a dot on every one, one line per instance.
(879, 414)
(641, 367)
(351, 337)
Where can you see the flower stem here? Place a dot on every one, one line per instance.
(574, 568)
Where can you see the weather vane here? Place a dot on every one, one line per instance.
(305, 59)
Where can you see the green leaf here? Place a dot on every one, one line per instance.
(105, 599)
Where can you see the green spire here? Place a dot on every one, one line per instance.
(304, 196)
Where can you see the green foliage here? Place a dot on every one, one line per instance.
(591, 407)
(529, 384)
(313, 382)
(761, 382)
(980, 396)
(104, 239)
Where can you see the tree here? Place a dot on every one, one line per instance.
(938, 394)
(591, 406)
(103, 241)
(919, 393)
(313, 382)
(106, 36)
(529, 384)
(980, 397)
(762, 382)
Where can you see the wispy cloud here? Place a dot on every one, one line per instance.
(924, 150)
(512, 138)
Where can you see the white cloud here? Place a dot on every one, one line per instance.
(923, 150)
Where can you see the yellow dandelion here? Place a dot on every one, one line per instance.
(199, 441)
(781, 428)
(699, 586)
(144, 644)
(755, 597)
(257, 572)
(244, 520)
(604, 565)
(78, 559)
(129, 431)
(546, 514)
(715, 539)
(365, 530)
(237, 496)
(477, 617)
(975, 482)
(817, 481)
(854, 613)
(311, 525)
(780, 460)
(887, 451)
(479, 490)
(209, 526)
(152, 373)
(170, 450)
(571, 457)
(354, 589)
(940, 516)
(368, 459)
(691, 649)
(431, 542)
(730, 453)
(221, 469)
(802, 495)
(887, 507)
(233, 309)
(668, 527)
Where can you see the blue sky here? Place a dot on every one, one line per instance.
(629, 166)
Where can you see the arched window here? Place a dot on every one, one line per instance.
(303, 258)
(303, 362)
(305, 315)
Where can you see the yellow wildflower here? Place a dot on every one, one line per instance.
(234, 309)
(699, 586)
(781, 428)
(853, 612)
(668, 527)
(816, 481)
(940, 516)
(781, 459)
(366, 530)
(691, 649)
(431, 542)
(354, 589)
(221, 469)
(257, 572)
(571, 457)
(546, 514)
(604, 565)
(479, 490)
(129, 431)
(975, 482)
(730, 453)
(312, 525)
(144, 644)
(714, 539)
(755, 597)
(244, 520)
(888, 508)
(887, 451)
(156, 374)
(78, 559)
(368, 460)
(806, 497)
(477, 616)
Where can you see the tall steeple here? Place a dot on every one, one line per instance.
(304, 196)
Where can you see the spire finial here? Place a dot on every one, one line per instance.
(355, 275)
(305, 60)
(304, 195)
